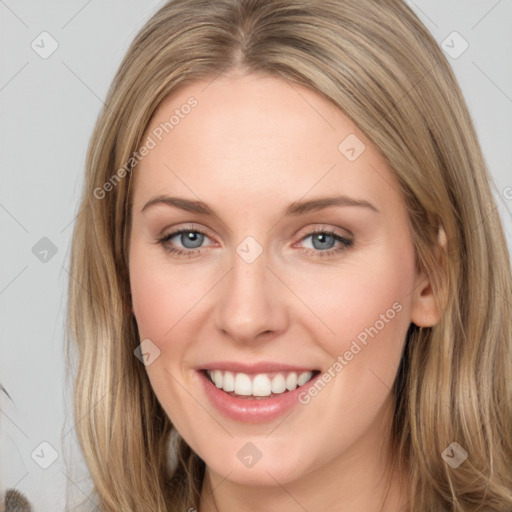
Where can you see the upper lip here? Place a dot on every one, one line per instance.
(254, 368)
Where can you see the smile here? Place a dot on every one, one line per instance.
(256, 393)
(259, 385)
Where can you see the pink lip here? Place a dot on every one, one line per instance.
(252, 410)
(249, 369)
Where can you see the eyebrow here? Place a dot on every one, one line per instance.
(297, 208)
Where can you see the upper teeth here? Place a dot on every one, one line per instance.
(261, 384)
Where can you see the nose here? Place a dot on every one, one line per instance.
(252, 304)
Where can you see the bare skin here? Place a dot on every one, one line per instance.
(252, 146)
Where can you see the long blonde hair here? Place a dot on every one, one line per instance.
(378, 64)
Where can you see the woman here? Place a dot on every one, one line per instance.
(292, 286)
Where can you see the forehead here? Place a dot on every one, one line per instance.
(249, 136)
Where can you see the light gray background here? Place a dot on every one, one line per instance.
(48, 108)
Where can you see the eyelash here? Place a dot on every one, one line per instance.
(189, 253)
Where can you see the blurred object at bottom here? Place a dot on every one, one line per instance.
(14, 501)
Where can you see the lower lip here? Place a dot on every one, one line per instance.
(252, 410)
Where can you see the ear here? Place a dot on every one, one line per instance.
(425, 310)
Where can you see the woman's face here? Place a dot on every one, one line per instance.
(295, 261)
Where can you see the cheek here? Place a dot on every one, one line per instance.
(152, 308)
(163, 298)
(162, 294)
(153, 302)
(364, 306)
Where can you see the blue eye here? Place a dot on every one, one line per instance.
(191, 239)
(323, 242)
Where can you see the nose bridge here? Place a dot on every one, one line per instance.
(251, 302)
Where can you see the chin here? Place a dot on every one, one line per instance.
(261, 462)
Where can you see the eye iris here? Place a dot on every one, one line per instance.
(192, 236)
(323, 238)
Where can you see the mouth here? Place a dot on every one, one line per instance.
(258, 386)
